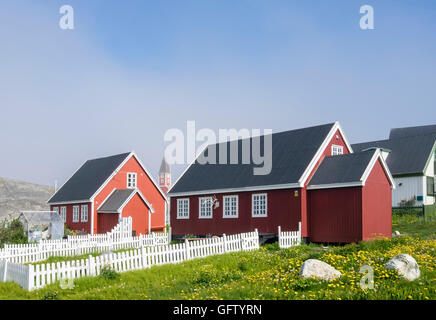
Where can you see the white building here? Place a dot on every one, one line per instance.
(410, 155)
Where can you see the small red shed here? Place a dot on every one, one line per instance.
(349, 198)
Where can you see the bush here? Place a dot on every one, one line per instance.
(109, 274)
(50, 295)
(12, 232)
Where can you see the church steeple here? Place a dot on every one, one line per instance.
(164, 176)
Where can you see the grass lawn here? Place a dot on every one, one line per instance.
(268, 273)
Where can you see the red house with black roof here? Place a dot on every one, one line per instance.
(315, 179)
(103, 190)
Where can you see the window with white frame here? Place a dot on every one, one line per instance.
(230, 208)
(84, 212)
(258, 204)
(64, 214)
(336, 150)
(182, 208)
(56, 209)
(205, 205)
(131, 180)
(76, 214)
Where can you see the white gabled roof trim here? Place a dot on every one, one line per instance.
(187, 168)
(104, 201)
(120, 209)
(132, 154)
(336, 126)
(377, 155)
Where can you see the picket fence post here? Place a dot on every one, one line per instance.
(187, 251)
(278, 235)
(5, 271)
(91, 266)
(224, 243)
(299, 232)
(30, 277)
(144, 257)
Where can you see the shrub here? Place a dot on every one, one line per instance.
(108, 273)
(243, 264)
(12, 232)
(50, 295)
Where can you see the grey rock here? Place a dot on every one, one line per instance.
(318, 269)
(405, 265)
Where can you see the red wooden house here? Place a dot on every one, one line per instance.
(103, 190)
(316, 179)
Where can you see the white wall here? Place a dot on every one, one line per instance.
(414, 186)
(430, 172)
(410, 187)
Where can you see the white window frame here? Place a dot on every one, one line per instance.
(253, 215)
(76, 213)
(205, 203)
(182, 210)
(337, 150)
(84, 213)
(63, 214)
(56, 209)
(132, 181)
(229, 207)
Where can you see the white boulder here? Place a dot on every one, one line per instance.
(405, 265)
(318, 269)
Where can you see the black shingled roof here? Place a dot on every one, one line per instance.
(116, 200)
(344, 168)
(88, 179)
(412, 131)
(408, 155)
(292, 152)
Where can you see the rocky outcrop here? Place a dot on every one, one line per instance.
(17, 196)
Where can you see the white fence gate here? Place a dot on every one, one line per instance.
(37, 276)
(289, 239)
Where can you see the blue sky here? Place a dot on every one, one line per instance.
(130, 70)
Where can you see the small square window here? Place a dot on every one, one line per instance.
(337, 150)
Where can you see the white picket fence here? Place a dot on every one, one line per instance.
(121, 231)
(27, 253)
(37, 276)
(119, 238)
(289, 239)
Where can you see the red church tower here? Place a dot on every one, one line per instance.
(164, 176)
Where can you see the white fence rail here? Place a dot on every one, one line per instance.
(289, 239)
(43, 250)
(119, 238)
(37, 276)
